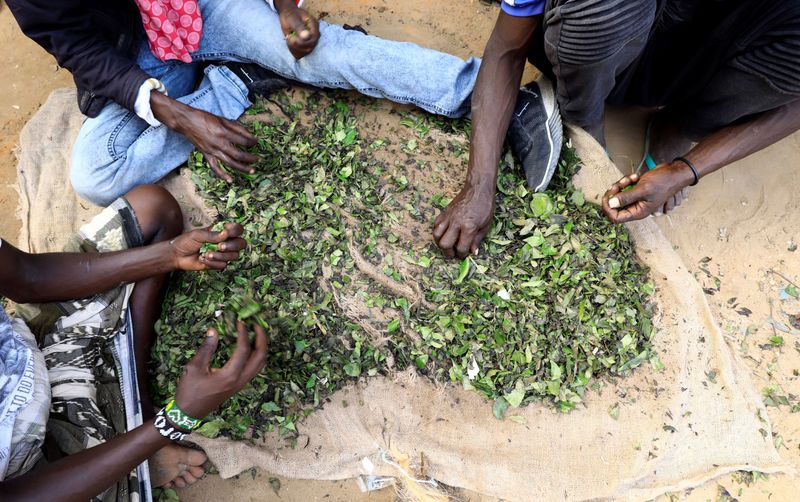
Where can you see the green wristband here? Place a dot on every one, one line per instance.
(179, 418)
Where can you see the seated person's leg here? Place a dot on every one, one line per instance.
(160, 219)
(24, 398)
(740, 94)
(249, 31)
(81, 344)
(731, 96)
(762, 74)
(589, 44)
(117, 151)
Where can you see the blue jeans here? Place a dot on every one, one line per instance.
(117, 151)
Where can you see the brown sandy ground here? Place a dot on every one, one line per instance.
(743, 218)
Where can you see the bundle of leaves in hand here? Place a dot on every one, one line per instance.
(342, 268)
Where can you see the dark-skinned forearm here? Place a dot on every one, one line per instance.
(86, 474)
(736, 142)
(170, 112)
(495, 95)
(67, 276)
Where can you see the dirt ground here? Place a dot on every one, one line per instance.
(741, 218)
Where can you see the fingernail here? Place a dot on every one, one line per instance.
(613, 203)
(475, 252)
(221, 247)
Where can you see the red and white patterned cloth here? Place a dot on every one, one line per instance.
(173, 27)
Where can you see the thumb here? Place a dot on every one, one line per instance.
(206, 351)
(626, 198)
(206, 235)
(298, 25)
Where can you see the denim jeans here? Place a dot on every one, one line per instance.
(117, 151)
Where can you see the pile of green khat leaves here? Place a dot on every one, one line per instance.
(342, 269)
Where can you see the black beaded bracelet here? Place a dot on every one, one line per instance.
(167, 428)
(691, 166)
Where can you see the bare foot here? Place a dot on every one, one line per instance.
(175, 465)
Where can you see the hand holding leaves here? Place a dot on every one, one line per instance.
(635, 197)
(186, 248)
(218, 139)
(202, 389)
(301, 30)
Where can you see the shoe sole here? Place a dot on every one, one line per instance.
(555, 131)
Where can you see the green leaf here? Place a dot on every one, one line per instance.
(541, 205)
(211, 429)
(499, 408)
(270, 407)
(577, 198)
(776, 340)
(555, 371)
(515, 397)
(613, 412)
(350, 137)
(275, 484)
(463, 270)
(352, 369)
(656, 363)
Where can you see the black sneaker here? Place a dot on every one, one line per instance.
(535, 133)
(259, 81)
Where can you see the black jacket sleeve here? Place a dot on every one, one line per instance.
(87, 43)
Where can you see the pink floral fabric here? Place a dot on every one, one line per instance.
(173, 27)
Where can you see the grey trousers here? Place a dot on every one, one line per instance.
(709, 64)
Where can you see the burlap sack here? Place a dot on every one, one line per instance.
(677, 428)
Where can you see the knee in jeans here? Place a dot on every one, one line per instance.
(88, 184)
(590, 32)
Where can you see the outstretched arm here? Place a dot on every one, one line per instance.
(27, 278)
(461, 227)
(200, 391)
(652, 190)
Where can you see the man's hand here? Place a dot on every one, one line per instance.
(217, 138)
(186, 248)
(202, 389)
(461, 227)
(658, 190)
(299, 27)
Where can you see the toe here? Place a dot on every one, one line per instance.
(188, 479)
(195, 457)
(196, 471)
